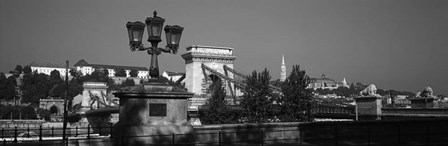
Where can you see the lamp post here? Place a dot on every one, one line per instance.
(64, 125)
(156, 108)
(154, 26)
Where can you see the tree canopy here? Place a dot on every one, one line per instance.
(17, 112)
(257, 99)
(133, 73)
(27, 69)
(297, 101)
(36, 86)
(217, 111)
(120, 72)
(19, 69)
(7, 87)
(128, 82)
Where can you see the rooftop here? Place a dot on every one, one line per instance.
(83, 62)
(209, 47)
(46, 64)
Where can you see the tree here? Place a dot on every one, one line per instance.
(296, 103)
(57, 91)
(257, 99)
(55, 84)
(27, 112)
(133, 73)
(105, 71)
(6, 112)
(217, 112)
(119, 72)
(276, 83)
(3, 86)
(55, 78)
(2, 76)
(44, 113)
(36, 87)
(55, 74)
(19, 68)
(17, 112)
(360, 86)
(128, 82)
(97, 76)
(9, 88)
(76, 74)
(27, 69)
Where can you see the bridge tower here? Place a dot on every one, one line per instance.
(197, 80)
(92, 90)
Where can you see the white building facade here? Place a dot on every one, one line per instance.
(85, 68)
(47, 68)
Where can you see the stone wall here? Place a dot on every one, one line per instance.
(436, 112)
(21, 123)
(247, 133)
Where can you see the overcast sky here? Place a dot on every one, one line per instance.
(394, 44)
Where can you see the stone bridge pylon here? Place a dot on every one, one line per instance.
(197, 79)
(204, 65)
(95, 97)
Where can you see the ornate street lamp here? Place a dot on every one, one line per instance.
(154, 26)
(159, 104)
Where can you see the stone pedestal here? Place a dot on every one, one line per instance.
(422, 102)
(152, 109)
(369, 105)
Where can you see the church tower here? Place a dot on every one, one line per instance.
(344, 83)
(283, 73)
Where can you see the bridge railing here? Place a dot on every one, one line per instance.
(52, 133)
(400, 132)
(333, 109)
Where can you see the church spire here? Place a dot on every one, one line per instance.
(344, 83)
(283, 73)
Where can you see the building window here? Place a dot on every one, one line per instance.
(157, 109)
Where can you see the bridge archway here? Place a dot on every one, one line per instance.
(55, 106)
(197, 80)
(54, 110)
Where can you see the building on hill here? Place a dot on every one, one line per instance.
(47, 68)
(87, 68)
(326, 83)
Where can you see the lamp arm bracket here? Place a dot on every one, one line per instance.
(166, 50)
(152, 50)
(142, 48)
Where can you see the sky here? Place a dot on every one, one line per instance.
(394, 44)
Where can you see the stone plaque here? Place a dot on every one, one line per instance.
(157, 109)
